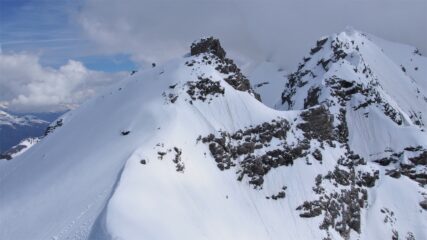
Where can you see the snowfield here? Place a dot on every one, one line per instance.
(186, 151)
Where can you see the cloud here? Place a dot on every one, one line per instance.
(281, 30)
(157, 30)
(44, 27)
(25, 85)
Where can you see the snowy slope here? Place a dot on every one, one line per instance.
(186, 151)
(408, 58)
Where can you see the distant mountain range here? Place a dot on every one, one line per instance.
(17, 127)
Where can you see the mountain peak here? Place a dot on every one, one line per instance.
(208, 45)
(214, 55)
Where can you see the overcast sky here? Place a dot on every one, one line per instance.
(103, 37)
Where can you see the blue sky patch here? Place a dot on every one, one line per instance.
(49, 29)
(109, 63)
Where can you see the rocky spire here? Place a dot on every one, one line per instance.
(224, 65)
(208, 45)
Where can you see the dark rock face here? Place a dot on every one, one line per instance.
(208, 45)
(342, 128)
(312, 97)
(394, 173)
(324, 63)
(294, 80)
(415, 170)
(319, 45)
(367, 179)
(391, 159)
(204, 89)
(340, 176)
(235, 78)
(54, 126)
(343, 90)
(420, 159)
(310, 210)
(243, 144)
(318, 124)
(341, 208)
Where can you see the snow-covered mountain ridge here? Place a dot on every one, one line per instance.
(351, 75)
(187, 151)
(352, 57)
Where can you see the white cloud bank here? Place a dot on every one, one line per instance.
(27, 86)
(156, 30)
(282, 30)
